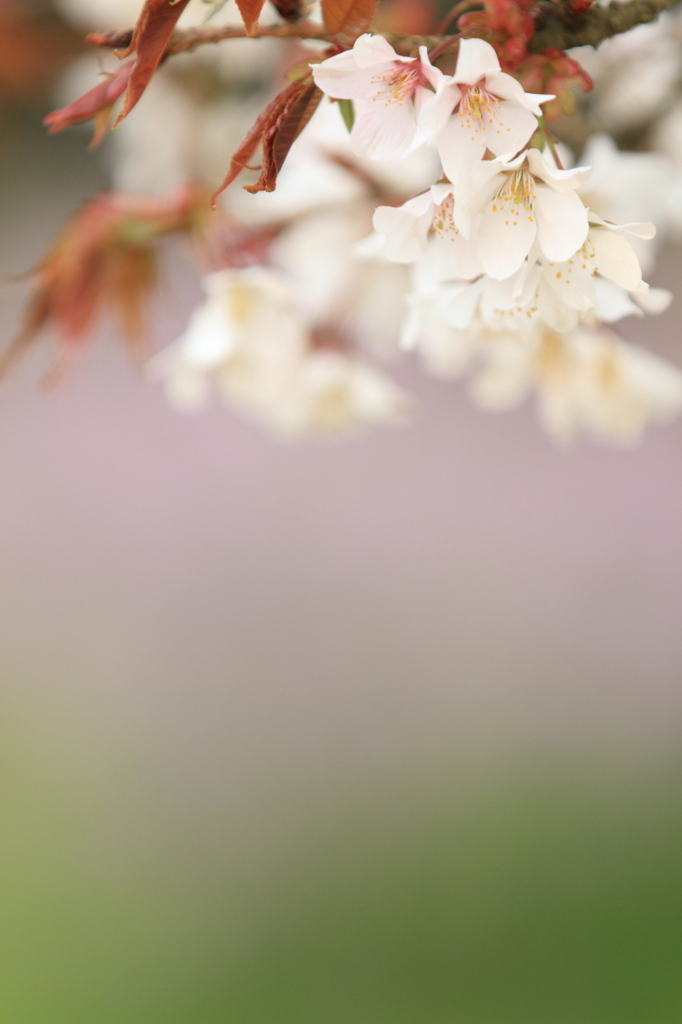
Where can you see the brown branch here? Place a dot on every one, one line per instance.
(595, 25)
(186, 39)
(588, 29)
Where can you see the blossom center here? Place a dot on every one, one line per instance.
(398, 84)
(443, 222)
(516, 197)
(477, 105)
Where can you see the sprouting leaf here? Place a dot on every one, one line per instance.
(152, 32)
(302, 68)
(277, 144)
(275, 130)
(348, 19)
(96, 104)
(347, 113)
(250, 12)
(104, 260)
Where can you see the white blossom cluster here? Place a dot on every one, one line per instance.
(508, 264)
(515, 268)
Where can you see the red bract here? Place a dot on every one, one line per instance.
(105, 259)
(275, 130)
(506, 25)
(96, 104)
(150, 39)
(578, 7)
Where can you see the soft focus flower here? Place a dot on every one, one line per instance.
(589, 381)
(250, 343)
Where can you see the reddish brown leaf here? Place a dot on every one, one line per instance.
(150, 39)
(348, 19)
(269, 117)
(97, 103)
(250, 12)
(281, 137)
(103, 260)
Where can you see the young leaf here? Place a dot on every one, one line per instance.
(347, 113)
(250, 12)
(150, 39)
(95, 104)
(348, 19)
(278, 142)
(276, 129)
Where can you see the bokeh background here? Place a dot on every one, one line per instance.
(379, 731)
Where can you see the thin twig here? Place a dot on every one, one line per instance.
(589, 29)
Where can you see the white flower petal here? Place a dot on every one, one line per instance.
(383, 129)
(562, 223)
(615, 258)
(505, 235)
(405, 227)
(434, 76)
(510, 130)
(560, 316)
(509, 88)
(369, 50)
(460, 307)
(612, 303)
(560, 180)
(475, 60)
(436, 109)
(653, 300)
(345, 83)
(460, 149)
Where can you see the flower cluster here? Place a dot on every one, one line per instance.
(508, 255)
(422, 206)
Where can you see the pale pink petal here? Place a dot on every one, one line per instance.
(369, 50)
(476, 59)
(615, 258)
(509, 130)
(508, 88)
(505, 235)
(383, 129)
(346, 83)
(435, 108)
(434, 76)
(562, 223)
(460, 148)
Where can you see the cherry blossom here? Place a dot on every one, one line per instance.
(587, 381)
(389, 90)
(426, 222)
(490, 111)
(520, 201)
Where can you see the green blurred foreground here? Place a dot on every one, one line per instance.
(539, 895)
